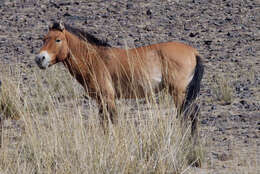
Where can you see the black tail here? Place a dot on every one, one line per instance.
(193, 88)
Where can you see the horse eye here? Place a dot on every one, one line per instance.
(58, 40)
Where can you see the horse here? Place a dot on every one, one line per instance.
(108, 73)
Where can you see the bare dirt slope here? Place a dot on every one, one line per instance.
(226, 33)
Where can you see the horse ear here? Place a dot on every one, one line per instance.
(61, 26)
(57, 26)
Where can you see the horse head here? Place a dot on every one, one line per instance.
(55, 47)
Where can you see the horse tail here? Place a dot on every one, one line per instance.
(193, 88)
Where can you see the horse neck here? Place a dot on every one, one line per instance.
(78, 58)
(81, 57)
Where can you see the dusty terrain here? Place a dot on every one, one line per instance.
(226, 33)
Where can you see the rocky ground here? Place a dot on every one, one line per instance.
(226, 33)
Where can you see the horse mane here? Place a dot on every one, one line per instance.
(83, 35)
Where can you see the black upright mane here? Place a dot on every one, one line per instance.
(84, 35)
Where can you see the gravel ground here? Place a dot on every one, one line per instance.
(226, 33)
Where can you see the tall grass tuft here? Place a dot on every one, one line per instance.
(223, 90)
(9, 100)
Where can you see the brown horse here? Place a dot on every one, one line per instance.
(108, 73)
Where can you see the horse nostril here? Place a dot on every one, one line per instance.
(43, 57)
(37, 59)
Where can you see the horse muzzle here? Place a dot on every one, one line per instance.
(43, 59)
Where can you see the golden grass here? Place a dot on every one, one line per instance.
(9, 104)
(61, 131)
(223, 90)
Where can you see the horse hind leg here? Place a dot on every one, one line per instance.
(178, 97)
(194, 120)
(186, 110)
(191, 112)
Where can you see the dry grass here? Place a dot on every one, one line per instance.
(61, 133)
(9, 105)
(222, 89)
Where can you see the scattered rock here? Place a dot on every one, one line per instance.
(193, 34)
(208, 42)
(224, 157)
(149, 12)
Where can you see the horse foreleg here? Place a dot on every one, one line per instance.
(107, 111)
(103, 117)
(111, 107)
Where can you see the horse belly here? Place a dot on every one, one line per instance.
(153, 70)
(144, 84)
(140, 77)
